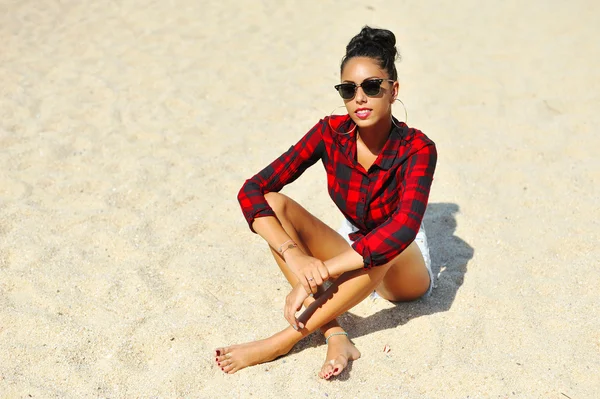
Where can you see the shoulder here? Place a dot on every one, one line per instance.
(415, 145)
(333, 128)
(415, 136)
(336, 123)
(336, 120)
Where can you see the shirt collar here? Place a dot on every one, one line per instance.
(347, 142)
(344, 133)
(389, 153)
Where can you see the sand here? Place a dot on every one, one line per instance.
(127, 128)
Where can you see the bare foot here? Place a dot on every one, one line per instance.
(233, 358)
(339, 351)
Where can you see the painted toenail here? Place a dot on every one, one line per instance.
(336, 370)
(218, 353)
(218, 364)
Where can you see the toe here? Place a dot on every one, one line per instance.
(339, 364)
(220, 352)
(228, 369)
(326, 370)
(224, 355)
(321, 373)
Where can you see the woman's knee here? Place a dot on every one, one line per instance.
(277, 202)
(407, 278)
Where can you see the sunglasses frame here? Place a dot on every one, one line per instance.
(380, 80)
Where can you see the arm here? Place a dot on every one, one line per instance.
(310, 272)
(346, 261)
(284, 170)
(261, 217)
(401, 228)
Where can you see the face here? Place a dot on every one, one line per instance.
(369, 111)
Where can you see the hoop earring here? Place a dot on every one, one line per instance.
(331, 127)
(405, 113)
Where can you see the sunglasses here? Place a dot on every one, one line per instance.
(371, 87)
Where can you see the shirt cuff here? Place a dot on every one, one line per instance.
(364, 250)
(260, 214)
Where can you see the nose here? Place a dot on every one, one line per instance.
(360, 96)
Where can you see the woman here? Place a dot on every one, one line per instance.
(379, 172)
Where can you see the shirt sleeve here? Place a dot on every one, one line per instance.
(283, 170)
(389, 239)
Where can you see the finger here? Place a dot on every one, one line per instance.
(285, 310)
(318, 279)
(289, 315)
(298, 303)
(299, 323)
(305, 284)
(299, 300)
(312, 285)
(286, 314)
(324, 272)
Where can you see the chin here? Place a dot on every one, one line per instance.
(366, 123)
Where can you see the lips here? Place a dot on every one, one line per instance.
(363, 113)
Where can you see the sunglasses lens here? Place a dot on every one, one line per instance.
(346, 90)
(371, 87)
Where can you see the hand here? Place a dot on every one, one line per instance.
(310, 272)
(293, 303)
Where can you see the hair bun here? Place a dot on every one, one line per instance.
(377, 44)
(368, 36)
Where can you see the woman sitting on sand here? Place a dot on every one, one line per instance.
(379, 172)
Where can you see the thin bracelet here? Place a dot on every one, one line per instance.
(336, 333)
(281, 247)
(290, 246)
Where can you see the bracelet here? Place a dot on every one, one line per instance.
(290, 246)
(336, 333)
(280, 250)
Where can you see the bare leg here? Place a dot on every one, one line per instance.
(319, 240)
(340, 349)
(344, 293)
(322, 242)
(407, 279)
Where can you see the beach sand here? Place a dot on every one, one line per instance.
(127, 129)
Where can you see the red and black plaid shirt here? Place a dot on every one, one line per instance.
(386, 203)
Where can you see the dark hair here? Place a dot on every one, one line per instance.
(378, 44)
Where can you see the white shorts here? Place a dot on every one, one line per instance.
(421, 239)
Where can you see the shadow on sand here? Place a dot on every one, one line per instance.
(449, 258)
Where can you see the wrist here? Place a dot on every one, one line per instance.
(329, 274)
(291, 252)
(286, 246)
(334, 268)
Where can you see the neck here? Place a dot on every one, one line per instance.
(374, 137)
